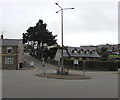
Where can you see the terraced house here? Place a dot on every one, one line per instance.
(12, 53)
(78, 53)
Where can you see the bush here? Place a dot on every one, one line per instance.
(94, 65)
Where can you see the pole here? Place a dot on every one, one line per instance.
(62, 62)
(61, 9)
(83, 68)
(42, 57)
(43, 66)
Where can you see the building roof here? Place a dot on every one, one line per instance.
(80, 52)
(10, 42)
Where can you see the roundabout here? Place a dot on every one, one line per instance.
(66, 77)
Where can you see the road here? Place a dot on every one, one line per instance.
(25, 84)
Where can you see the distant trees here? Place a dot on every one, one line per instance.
(39, 38)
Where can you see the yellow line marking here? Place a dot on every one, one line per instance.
(51, 65)
(36, 68)
(9, 54)
(26, 61)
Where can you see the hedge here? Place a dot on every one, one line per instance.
(93, 65)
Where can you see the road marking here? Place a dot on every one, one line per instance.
(36, 68)
(51, 65)
(26, 61)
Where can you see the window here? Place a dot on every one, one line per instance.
(64, 50)
(8, 60)
(81, 51)
(9, 50)
(94, 51)
(75, 51)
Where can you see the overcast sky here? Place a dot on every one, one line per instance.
(90, 23)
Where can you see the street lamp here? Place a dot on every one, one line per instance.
(61, 9)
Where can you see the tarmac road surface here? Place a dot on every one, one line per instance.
(25, 84)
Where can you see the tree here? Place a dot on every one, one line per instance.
(25, 38)
(104, 53)
(39, 36)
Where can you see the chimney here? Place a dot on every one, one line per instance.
(2, 36)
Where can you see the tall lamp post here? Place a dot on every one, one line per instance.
(61, 9)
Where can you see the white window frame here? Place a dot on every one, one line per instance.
(9, 60)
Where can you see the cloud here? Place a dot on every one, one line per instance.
(88, 20)
(93, 17)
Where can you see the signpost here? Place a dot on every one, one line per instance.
(43, 66)
(31, 63)
(118, 70)
(76, 62)
(84, 68)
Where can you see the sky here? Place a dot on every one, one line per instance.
(92, 22)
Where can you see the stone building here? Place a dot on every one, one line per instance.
(12, 53)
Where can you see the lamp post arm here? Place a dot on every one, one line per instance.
(58, 5)
(58, 11)
(67, 8)
(64, 9)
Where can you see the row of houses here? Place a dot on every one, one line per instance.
(86, 52)
(12, 53)
(78, 53)
(110, 47)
